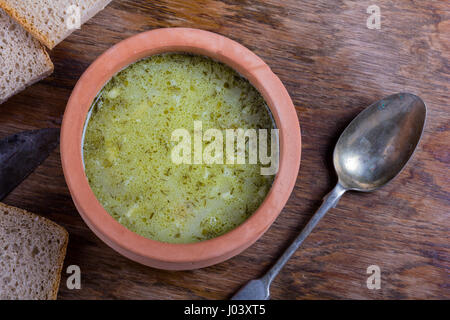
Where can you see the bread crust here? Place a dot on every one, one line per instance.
(51, 67)
(49, 43)
(60, 263)
(33, 81)
(26, 25)
(47, 64)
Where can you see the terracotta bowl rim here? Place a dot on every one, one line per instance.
(168, 255)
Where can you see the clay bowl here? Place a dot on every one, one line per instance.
(166, 255)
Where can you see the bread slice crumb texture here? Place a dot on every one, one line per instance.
(32, 251)
(47, 20)
(23, 60)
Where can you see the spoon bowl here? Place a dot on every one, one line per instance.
(378, 143)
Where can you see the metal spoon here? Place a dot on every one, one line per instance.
(370, 152)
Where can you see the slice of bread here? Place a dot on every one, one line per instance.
(47, 20)
(32, 251)
(23, 60)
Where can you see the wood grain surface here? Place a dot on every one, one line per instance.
(333, 66)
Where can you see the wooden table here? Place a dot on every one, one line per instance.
(333, 66)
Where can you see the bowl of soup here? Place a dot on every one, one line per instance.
(180, 147)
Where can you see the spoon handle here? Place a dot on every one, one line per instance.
(259, 289)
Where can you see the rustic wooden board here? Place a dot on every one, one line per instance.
(333, 66)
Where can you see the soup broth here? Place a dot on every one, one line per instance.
(128, 144)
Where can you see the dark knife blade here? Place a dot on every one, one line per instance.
(23, 152)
